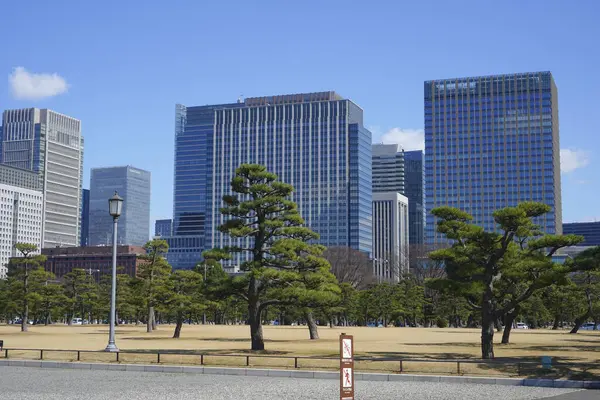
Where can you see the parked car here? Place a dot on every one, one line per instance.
(76, 321)
(522, 325)
(589, 326)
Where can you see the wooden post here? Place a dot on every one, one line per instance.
(78, 355)
(346, 367)
(247, 361)
(41, 354)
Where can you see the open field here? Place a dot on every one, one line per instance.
(406, 343)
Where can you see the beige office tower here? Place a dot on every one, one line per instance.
(51, 145)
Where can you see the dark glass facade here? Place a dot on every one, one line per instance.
(589, 230)
(163, 227)
(414, 184)
(492, 142)
(85, 217)
(314, 141)
(133, 185)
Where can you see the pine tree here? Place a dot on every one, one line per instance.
(279, 255)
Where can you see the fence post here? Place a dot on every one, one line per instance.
(41, 354)
(201, 359)
(117, 356)
(458, 367)
(158, 358)
(295, 362)
(5, 353)
(247, 361)
(78, 355)
(401, 366)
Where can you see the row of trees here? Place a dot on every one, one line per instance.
(486, 279)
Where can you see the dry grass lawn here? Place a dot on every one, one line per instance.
(421, 343)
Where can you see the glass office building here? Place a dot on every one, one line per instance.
(133, 185)
(163, 227)
(85, 217)
(396, 170)
(388, 168)
(414, 190)
(314, 141)
(589, 230)
(492, 142)
(49, 144)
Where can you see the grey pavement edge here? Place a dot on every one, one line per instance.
(286, 373)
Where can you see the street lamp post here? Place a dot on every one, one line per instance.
(115, 204)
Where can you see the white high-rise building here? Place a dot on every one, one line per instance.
(390, 236)
(51, 145)
(21, 205)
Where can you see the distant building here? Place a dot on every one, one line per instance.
(589, 230)
(49, 144)
(390, 236)
(492, 142)
(163, 227)
(314, 141)
(133, 185)
(85, 217)
(388, 168)
(19, 177)
(20, 220)
(96, 260)
(402, 171)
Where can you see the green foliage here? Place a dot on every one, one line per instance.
(497, 271)
(281, 265)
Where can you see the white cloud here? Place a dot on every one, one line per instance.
(572, 159)
(25, 85)
(409, 139)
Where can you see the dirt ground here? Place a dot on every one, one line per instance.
(528, 346)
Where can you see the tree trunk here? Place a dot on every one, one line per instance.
(580, 320)
(256, 332)
(25, 316)
(498, 324)
(508, 324)
(556, 322)
(178, 326)
(150, 323)
(487, 328)
(154, 323)
(312, 326)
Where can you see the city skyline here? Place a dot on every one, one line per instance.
(94, 86)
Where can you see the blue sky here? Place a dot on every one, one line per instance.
(121, 66)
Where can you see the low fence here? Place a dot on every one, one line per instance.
(391, 364)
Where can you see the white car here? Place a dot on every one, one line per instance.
(76, 321)
(522, 325)
(589, 326)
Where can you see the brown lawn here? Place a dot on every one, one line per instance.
(421, 343)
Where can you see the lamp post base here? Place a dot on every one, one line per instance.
(111, 348)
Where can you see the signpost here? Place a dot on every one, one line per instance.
(346, 367)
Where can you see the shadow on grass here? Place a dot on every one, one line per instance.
(207, 352)
(225, 340)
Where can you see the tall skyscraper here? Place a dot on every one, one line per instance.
(314, 141)
(396, 170)
(492, 142)
(388, 168)
(85, 217)
(414, 190)
(390, 236)
(163, 227)
(21, 202)
(133, 185)
(51, 145)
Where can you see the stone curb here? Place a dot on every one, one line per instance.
(285, 373)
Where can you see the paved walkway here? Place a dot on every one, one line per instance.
(62, 384)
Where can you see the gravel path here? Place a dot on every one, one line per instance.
(54, 384)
